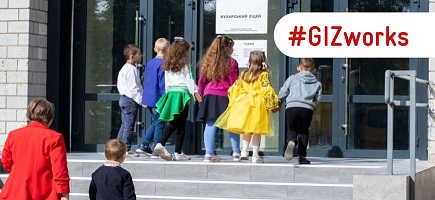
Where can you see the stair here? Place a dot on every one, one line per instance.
(324, 179)
(275, 179)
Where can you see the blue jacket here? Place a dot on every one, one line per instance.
(301, 90)
(154, 82)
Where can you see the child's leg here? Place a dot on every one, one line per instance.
(306, 116)
(209, 136)
(158, 128)
(181, 126)
(150, 131)
(292, 124)
(256, 140)
(245, 145)
(160, 147)
(128, 117)
(167, 132)
(235, 142)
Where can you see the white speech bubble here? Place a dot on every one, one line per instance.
(379, 35)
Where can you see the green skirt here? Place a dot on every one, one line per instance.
(172, 102)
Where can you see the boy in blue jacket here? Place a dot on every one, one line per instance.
(154, 88)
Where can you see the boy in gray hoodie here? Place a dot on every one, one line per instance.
(302, 92)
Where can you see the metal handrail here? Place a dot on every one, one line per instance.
(389, 100)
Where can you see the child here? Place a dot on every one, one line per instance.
(111, 181)
(35, 157)
(251, 97)
(154, 88)
(173, 105)
(302, 93)
(130, 90)
(218, 72)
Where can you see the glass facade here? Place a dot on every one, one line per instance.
(274, 14)
(367, 128)
(110, 25)
(352, 95)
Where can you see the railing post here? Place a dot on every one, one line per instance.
(412, 103)
(412, 129)
(389, 97)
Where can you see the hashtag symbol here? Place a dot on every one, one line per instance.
(297, 35)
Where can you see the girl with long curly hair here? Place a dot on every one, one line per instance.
(173, 105)
(218, 72)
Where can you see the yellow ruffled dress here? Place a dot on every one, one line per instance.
(249, 108)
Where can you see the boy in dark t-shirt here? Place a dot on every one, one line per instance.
(111, 181)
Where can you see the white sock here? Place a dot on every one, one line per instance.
(256, 139)
(245, 142)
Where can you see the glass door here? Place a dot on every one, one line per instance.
(169, 19)
(102, 29)
(365, 120)
(323, 135)
(212, 14)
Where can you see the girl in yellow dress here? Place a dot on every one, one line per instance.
(251, 98)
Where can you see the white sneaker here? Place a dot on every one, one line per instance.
(186, 156)
(244, 155)
(181, 157)
(288, 154)
(211, 158)
(132, 154)
(236, 157)
(258, 159)
(162, 152)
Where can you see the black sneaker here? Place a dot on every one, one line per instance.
(303, 161)
(144, 150)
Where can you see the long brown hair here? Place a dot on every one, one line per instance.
(177, 56)
(215, 65)
(257, 65)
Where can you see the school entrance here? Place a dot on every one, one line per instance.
(350, 121)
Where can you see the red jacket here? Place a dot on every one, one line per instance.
(35, 156)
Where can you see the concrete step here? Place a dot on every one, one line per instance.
(232, 171)
(277, 179)
(325, 178)
(197, 189)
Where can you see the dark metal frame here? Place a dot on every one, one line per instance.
(57, 90)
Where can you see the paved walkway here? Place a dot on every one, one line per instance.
(400, 166)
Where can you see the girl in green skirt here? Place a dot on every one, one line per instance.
(173, 106)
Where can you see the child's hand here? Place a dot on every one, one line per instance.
(275, 110)
(143, 106)
(198, 97)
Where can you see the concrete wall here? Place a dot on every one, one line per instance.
(23, 55)
(424, 184)
(431, 117)
(383, 187)
(394, 187)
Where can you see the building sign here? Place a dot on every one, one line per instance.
(242, 49)
(241, 17)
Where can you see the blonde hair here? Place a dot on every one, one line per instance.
(40, 110)
(162, 45)
(115, 149)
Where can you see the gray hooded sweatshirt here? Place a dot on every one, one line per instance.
(301, 90)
